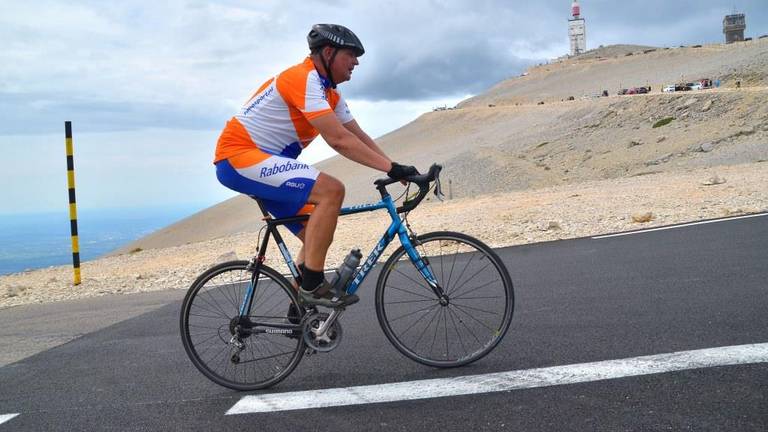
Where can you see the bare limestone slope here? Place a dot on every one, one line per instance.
(516, 144)
(613, 68)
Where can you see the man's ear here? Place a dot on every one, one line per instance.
(327, 52)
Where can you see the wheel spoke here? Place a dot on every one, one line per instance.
(204, 327)
(411, 301)
(447, 355)
(471, 290)
(215, 305)
(216, 336)
(453, 264)
(207, 316)
(415, 312)
(429, 324)
(412, 326)
(421, 283)
(469, 278)
(412, 293)
(459, 305)
(268, 357)
(439, 315)
(458, 333)
(230, 295)
(461, 274)
(474, 319)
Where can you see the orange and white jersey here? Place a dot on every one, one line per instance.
(276, 118)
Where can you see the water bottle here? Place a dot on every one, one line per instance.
(343, 274)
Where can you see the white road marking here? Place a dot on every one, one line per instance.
(504, 381)
(5, 417)
(678, 226)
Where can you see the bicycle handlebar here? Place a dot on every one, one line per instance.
(421, 180)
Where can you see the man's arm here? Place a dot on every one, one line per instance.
(349, 145)
(353, 127)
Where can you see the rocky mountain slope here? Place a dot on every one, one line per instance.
(505, 139)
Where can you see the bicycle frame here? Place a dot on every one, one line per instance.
(396, 228)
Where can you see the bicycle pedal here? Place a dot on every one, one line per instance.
(349, 300)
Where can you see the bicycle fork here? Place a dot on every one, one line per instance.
(422, 265)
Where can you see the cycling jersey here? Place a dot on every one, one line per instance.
(256, 151)
(276, 118)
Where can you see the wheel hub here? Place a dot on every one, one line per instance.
(238, 324)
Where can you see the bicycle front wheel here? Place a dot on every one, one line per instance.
(472, 318)
(243, 353)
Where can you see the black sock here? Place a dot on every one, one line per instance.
(311, 279)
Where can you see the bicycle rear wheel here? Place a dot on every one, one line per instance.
(242, 353)
(462, 330)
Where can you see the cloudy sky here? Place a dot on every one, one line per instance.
(148, 84)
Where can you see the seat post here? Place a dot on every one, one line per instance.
(261, 206)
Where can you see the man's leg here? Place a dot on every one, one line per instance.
(327, 195)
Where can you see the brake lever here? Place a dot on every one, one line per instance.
(438, 189)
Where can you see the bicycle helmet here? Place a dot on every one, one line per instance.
(334, 35)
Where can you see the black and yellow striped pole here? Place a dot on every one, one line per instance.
(72, 205)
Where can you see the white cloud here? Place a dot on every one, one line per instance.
(199, 57)
(155, 66)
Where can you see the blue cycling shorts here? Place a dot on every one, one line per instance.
(282, 184)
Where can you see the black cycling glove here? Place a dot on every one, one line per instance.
(399, 172)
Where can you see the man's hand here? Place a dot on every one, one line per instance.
(400, 172)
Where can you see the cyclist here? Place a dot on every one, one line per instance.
(257, 150)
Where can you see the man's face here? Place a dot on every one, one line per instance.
(342, 66)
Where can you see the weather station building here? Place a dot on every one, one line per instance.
(577, 30)
(733, 27)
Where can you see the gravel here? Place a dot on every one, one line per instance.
(513, 218)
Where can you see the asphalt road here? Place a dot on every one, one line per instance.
(577, 301)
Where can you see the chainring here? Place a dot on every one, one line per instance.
(311, 323)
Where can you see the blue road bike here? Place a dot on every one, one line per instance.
(443, 299)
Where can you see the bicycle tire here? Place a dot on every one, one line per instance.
(469, 271)
(209, 307)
